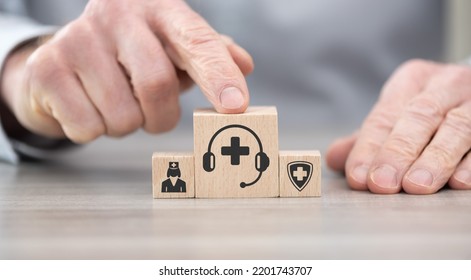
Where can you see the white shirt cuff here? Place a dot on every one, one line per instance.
(6, 150)
(14, 31)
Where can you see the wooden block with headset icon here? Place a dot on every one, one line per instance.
(236, 155)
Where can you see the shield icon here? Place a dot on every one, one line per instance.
(299, 173)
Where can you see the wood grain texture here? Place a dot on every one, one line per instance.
(164, 186)
(230, 171)
(304, 167)
(97, 203)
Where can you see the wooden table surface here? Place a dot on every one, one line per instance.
(96, 203)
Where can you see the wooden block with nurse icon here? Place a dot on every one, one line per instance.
(173, 175)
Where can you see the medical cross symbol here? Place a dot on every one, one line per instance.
(174, 164)
(235, 150)
(300, 173)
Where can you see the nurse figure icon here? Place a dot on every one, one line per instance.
(173, 183)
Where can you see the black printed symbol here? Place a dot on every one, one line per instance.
(262, 161)
(235, 151)
(173, 183)
(299, 173)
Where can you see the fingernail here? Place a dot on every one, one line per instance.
(232, 98)
(385, 176)
(421, 177)
(360, 173)
(464, 177)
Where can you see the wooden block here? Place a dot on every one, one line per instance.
(300, 173)
(173, 175)
(236, 155)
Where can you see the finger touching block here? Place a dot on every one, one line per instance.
(300, 173)
(173, 175)
(236, 155)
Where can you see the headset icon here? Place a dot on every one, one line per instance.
(262, 161)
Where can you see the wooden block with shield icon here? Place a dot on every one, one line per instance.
(300, 173)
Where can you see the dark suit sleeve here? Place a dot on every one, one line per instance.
(15, 31)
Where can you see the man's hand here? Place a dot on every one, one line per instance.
(121, 66)
(416, 138)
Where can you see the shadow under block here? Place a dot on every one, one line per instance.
(236, 155)
(300, 173)
(173, 175)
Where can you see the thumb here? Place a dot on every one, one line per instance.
(200, 51)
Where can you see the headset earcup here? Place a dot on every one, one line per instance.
(262, 161)
(209, 162)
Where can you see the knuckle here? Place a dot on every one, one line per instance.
(217, 68)
(87, 134)
(76, 30)
(458, 121)
(115, 9)
(425, 110)
(132, 122)
(166, 124)
(443, 157)
(414, 71)
(45, 66)
(78, 40)
(199, 36)
(402, 147)
(414, 65)
(365, 149)
(94, 132)
(456, 74)
(156, 86)
(380, 120)
(125, 125)
(206, 49)
(371, 144)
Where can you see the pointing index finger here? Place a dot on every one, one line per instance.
(198, 49)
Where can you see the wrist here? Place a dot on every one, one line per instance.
(11, 85)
